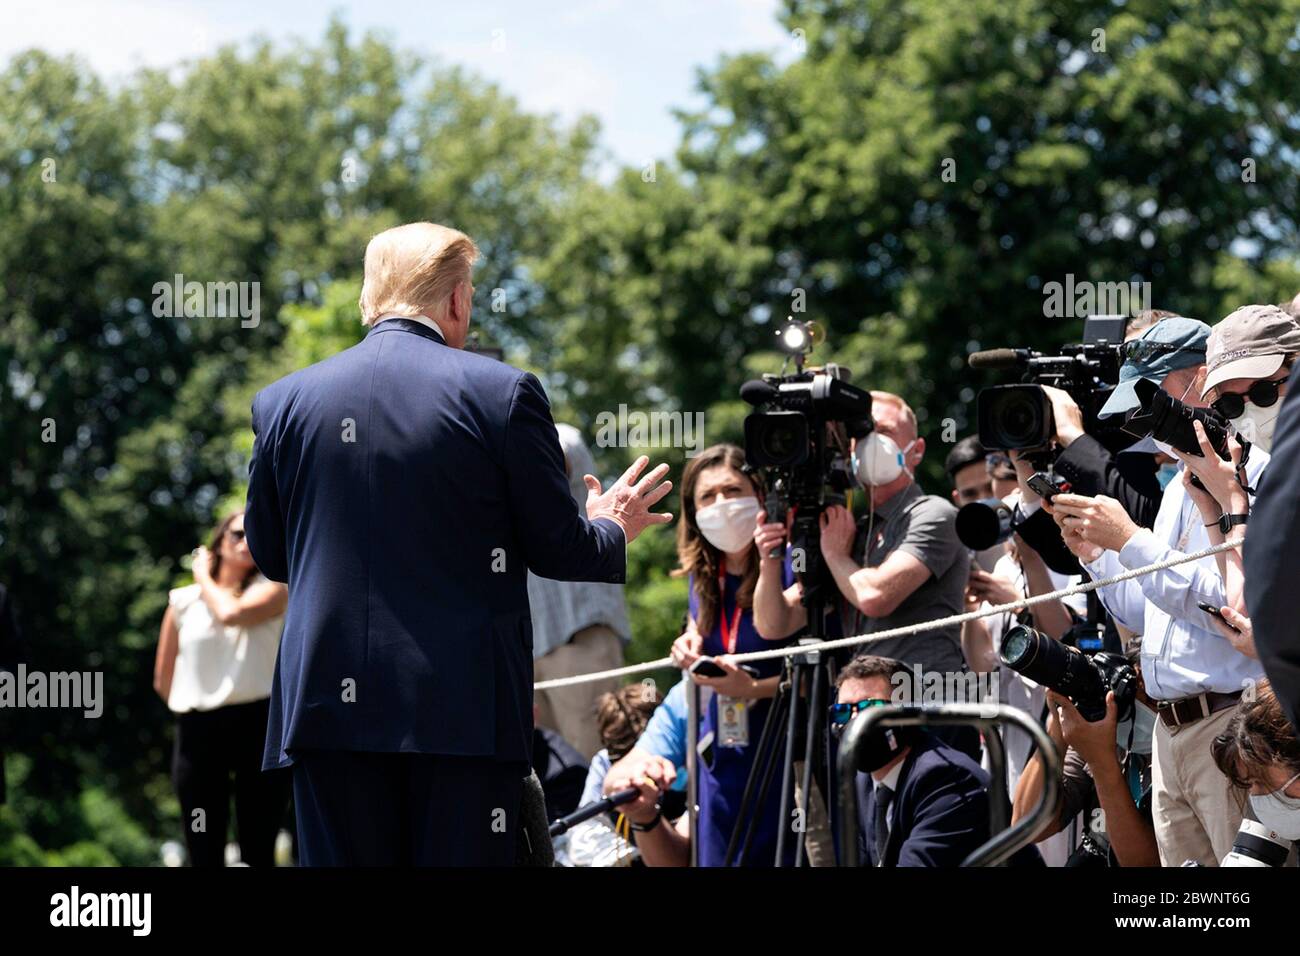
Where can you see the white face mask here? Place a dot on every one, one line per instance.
(1256, 425)
(1278, 812)
(728, 525)
(1142, 724)
(878, 460)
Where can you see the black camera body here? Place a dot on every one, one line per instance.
(1169, 420)
(1019, 417)
(1084, 678)
(799, 437)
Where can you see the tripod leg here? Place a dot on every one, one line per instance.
(765, 773)
(815, 675)
(765, 744)
(787, 764)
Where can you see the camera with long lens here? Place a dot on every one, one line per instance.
(1083, 678)
(1019, 417)
(1257, 845)
(1166, 419)
(798, 436)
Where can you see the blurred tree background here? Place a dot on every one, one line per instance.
(911, 180)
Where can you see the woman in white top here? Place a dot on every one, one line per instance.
(215, 662)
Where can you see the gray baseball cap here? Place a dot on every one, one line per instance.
(1252, 342)
(1169, 345)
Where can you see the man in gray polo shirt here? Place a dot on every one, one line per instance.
(900, 564)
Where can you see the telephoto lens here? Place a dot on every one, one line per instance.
(1070, 672)
(1257, 845)
(1168, 420)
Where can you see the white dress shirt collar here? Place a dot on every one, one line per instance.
(422, 319)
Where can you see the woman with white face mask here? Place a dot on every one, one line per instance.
(1259, 752)
(721, 503)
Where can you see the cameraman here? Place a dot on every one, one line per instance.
(1194, 674)
(901, 564)
(1091, 469)
(1107, 768)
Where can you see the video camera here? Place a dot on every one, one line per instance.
(799, 437)
(1019, 417)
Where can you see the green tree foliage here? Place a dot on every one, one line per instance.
(909, 174)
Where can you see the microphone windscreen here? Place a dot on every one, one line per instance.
(534, 847)
(756, 391)
(994, 358)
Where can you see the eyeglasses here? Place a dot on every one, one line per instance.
(236, 534)
(993, 461)
(1141, 351)
(1262, 394)
(841, 714)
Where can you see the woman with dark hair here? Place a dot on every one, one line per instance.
(715, 548)
(1259, 752)
(215, 662)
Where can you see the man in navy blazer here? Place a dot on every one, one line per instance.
(920, 801)
(403, 488)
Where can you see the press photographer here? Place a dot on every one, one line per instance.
(1194, 674)
(1107, 766)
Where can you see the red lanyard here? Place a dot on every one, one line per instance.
(729, 631)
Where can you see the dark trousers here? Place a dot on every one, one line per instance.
(218, 751)
(405, 809)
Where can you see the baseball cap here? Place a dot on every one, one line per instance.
(1169, 345)
(1252, 342)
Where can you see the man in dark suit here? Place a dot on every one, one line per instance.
(1272, 555)
(403, 488)
(920, 801)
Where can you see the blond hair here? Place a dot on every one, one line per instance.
(414, 269)
(904, 409)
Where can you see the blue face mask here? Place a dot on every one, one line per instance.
(1142, 725)
(1166, 474)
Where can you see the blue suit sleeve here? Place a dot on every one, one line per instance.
(263, 519)
(558, 541)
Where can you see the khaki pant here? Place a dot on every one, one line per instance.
(1196, 810)
(571, 711)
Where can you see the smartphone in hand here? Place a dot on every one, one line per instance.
(1213, 611)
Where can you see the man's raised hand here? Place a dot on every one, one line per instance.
(628, 501)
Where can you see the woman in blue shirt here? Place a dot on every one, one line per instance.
(715, 548)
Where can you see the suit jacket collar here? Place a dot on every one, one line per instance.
(407, 325)
(895, 831)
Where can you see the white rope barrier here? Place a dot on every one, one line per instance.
(955, 619)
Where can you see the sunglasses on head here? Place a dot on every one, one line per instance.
(1262, 394)
(841, 714)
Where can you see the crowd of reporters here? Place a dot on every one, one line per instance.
(1195, 761)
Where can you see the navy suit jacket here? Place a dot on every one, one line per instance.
(1272, 555)
(402, 489)
(940, 809)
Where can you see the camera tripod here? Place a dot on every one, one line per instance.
(806, 681)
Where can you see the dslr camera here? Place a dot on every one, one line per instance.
(1083, 678)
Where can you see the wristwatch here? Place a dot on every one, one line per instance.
(647, 827)
(1228, 522)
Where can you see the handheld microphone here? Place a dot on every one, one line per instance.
(583, 814)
